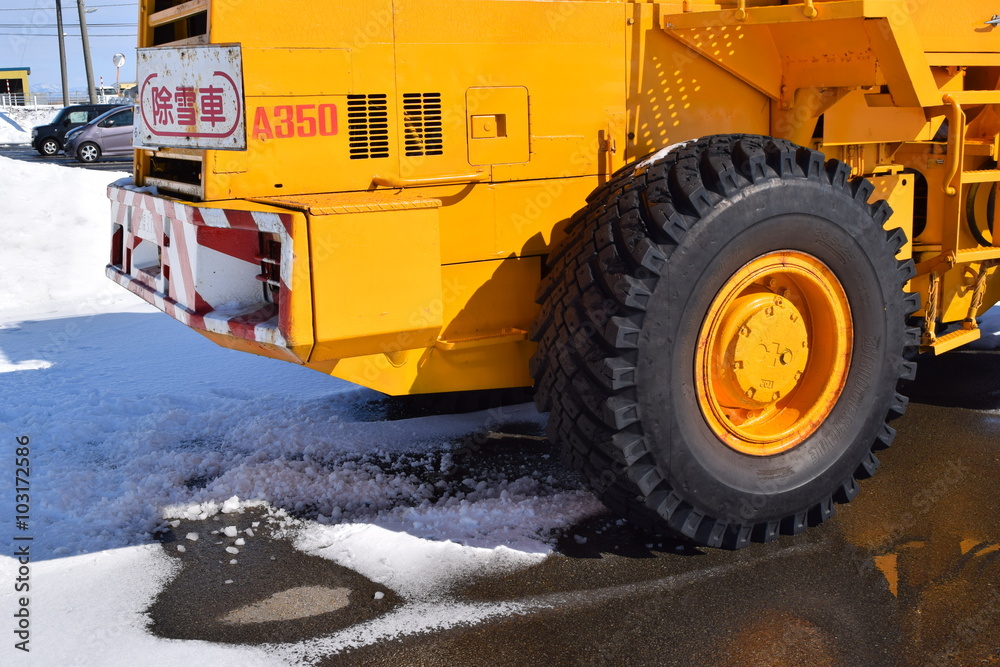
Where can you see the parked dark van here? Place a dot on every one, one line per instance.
(49, 139)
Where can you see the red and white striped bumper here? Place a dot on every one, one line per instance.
(220, 270)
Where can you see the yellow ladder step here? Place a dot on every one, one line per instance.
(952, 340)
(981, 176)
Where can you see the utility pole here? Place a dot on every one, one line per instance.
(86, 50)
(62, 53)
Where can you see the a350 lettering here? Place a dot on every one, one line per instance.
(299, 120)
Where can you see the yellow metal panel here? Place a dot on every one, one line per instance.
(825, 53)
(528, 214)
(897, 190)
(358, 24)
(502, 124)
(956, 26)
(901, 59)
(675, 94)
(435, 370)
(317, 56)
(376, 281)
(288, 150)
(748, 52)
(297, 71)
(852, 121)
(487, 298)
(484, 300)
(568, 55)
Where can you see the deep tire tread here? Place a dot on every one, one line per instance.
(599, 280)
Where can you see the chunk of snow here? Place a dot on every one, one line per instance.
(192, 536)
(231, 505)
(662, 153)
(232, 550)
(230, 531)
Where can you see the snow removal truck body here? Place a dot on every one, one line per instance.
(712, 236)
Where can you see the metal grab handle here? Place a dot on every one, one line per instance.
(956, 144)
(396, 182)
(994, 21)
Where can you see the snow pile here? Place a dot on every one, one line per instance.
(16, 122)
(55, 242)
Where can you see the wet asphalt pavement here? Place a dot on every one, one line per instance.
(29, 154)
(906, 574)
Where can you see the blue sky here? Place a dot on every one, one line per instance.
(28, 39)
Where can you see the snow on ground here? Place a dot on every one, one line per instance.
(133, 418)
(16, 122)
(88, 610)
(55, 224)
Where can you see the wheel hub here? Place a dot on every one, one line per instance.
(773, 353)
(769, 349)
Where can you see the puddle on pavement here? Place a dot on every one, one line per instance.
(265, 592)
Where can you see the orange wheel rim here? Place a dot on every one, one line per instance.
(773, 353)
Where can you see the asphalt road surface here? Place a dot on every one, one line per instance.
(906, 574)
(29, 154)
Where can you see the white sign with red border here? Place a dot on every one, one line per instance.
(190, 97)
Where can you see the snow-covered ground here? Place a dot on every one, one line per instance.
(134, 420)
(16, 122)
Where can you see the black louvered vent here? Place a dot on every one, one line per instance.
(368, 126)
(422, 124)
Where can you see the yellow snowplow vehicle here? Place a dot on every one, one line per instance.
(712, 235)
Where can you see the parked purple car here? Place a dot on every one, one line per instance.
(108, 134)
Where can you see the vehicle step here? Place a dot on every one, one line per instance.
(981, 176)
(952, 340)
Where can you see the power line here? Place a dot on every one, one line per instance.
(35, 9)
(12, 26)
(22, 34)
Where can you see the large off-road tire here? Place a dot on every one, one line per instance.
(721, 336)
